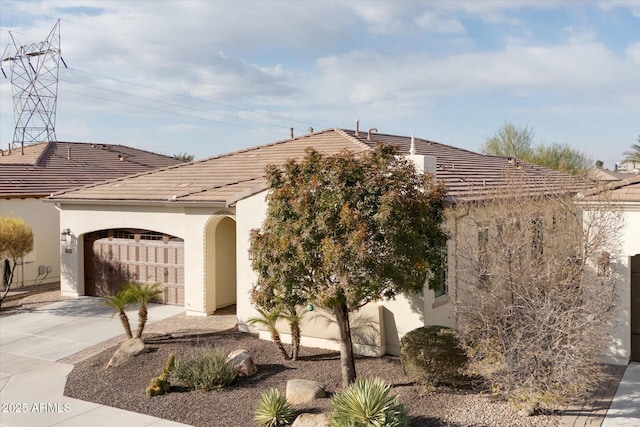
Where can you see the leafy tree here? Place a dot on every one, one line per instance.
(510, 141)
(344, 230)
(184, 157)
(16, 240)
(633, 155)
(517, 142)
(536, 292)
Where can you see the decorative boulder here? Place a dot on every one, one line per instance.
(312, 420)
(128, 349)
(303, 391)
(242, 363)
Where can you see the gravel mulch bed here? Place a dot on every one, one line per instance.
(124, 387)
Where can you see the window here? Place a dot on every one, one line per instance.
(483, 255)
(441, 287)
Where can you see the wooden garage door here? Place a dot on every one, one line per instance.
(142, 256)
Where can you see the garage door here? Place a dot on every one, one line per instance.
(114, 257)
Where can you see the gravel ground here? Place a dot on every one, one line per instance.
(124, 386)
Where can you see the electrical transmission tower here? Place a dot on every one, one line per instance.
(34, 79)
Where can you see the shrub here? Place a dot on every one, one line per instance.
(273, 409)
(205, 369)
(366, 402)
(432, 355)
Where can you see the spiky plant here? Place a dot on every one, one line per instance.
(273, 409)
(269, 318)
(119, 302)
(367, 403)
(143, 295)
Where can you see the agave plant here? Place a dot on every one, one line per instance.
(367, 403)
(273, 409)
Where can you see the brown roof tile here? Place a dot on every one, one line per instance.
(45, 168)
(227, 178)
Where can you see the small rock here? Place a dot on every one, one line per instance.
(303, 391)
(130, 348)
(242, 362)
(311, 420)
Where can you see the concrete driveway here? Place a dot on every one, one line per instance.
(32, 380)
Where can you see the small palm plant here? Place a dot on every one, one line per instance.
(119, 302)
(367, 403)
(269, 318)
(143, 295)
(273, 409)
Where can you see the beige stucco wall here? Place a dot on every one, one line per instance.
(186, 223)
(619, 351)
(43, 219)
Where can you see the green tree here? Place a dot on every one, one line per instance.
(510, 141)
(633, 155)
(344, 230)
(184, 157)
(513, 141)
(16, 240)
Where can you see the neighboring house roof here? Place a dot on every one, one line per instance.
(627, 190)
(37, 170)
(605, 175)
(228, 178)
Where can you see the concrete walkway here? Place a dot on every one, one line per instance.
(32, 379)
(625, 407)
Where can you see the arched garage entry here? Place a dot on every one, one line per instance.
(114, 257)
(220, 266)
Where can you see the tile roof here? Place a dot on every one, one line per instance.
(627, 190)
(43, 168)
(227, 178)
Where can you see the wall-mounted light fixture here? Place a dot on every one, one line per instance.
(65, 236)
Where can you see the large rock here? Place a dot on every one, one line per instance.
(311, 420)
(128, 349)
(303, 391)
(242, 363)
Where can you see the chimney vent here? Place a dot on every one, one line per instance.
(357, 127)
(68, 152)
(369, 133)
(310, 130)
(291, 129)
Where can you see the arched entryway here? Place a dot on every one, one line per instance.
(635, 308)
(115, 257)
(220, 267)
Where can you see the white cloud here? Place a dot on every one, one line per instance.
(433, 22)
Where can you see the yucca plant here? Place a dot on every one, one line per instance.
(367, 403)
(273, 409)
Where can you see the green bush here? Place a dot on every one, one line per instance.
(366, 403)
(273, 409)
(432, 355)
(205, 369)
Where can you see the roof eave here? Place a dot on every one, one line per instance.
(121, 202)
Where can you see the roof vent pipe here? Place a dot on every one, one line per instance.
(369, 133)
(291, 129)
(68, 152)
(412, 149)
(357, 127)
(9, 148)
(22, 148)
(310, 130)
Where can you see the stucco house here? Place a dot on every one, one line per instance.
(187, 227)
(32, 172)
(625, 194)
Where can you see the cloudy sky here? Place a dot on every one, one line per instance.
(209, 77)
